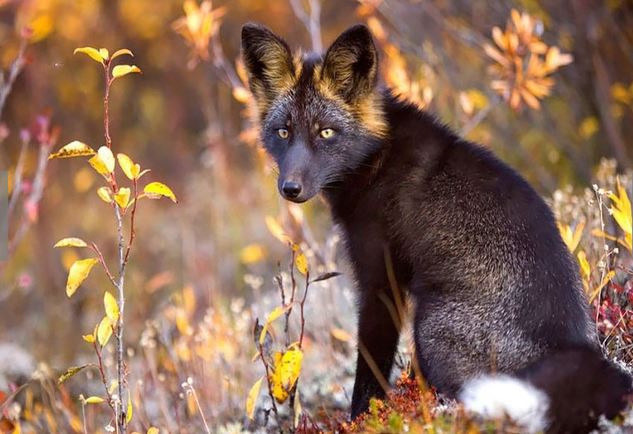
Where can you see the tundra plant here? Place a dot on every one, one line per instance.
(123, 202)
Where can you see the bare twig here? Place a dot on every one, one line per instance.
(103, 263)
(123, 251)
(14, 70)
(301, 309)
(480, 116)
(33, 199)
(270, 387)
(311, 20)
(17, 177)
(104, 378)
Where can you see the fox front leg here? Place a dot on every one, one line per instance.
(378, 336)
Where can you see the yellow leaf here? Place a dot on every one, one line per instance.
(154, 190)
(70, 372)
(128, 413)
(113, 386)
(105, 194)
(78, 272)
(251, 400)
(610, 275)
(182, 323)
(272, 316)
(130, 169)
(241, 94)
(98, 165)
(571, 238)
(301, 262)
(277, 391)
(340, 334)
(107, 158)
(252, 253)
(121, 52)
(297, 409)
(104, 53)
(584, 264)
(73, 149)
(588, 127)
(291, 368)
(621, 211)
(153, 430)
(94, 400)
(88, 338)
(121, 70)
(189, 300)
(71, 242)
(286, 371)
(94, 54)
(276, 230)
(122, 197)
(104, 331)
(111, 307)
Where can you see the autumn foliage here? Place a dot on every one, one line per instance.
(234, 311)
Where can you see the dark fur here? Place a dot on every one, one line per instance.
(494, 286)
(581, 386)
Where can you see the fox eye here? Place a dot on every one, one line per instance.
(283, 133)
(326, 133)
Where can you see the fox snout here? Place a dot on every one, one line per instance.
(298, 174)
(296, 188)
(291, 189)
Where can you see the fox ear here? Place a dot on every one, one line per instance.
(268, 62)
(351, 63)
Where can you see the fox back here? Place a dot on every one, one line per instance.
(425, 212)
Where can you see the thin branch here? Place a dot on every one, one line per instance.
(301, 309)
(103, 263)
(37, 189)
(104, 378)
(132, 228)
(480, 116)
(17, 178)
(311, 20)
(14, 71)
(270, 387)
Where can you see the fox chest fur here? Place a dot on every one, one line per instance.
(494, 287)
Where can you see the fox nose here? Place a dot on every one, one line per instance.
(291, 189)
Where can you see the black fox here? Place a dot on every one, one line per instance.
(423, 210)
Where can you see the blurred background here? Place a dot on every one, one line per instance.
(201, 271)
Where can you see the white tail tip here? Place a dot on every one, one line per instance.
(495, 397)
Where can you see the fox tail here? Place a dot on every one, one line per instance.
(564, 392)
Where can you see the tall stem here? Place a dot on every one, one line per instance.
(119, 328)
(120, 283)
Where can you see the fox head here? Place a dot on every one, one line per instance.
(320, 115)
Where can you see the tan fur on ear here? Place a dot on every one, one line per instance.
(350, 65)
(272, 70)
